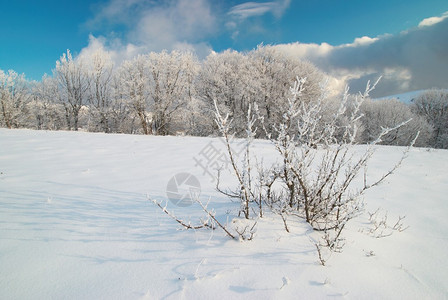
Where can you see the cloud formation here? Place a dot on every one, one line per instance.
(187, 25)
(155, 26)
(433, 20)
(241, 13)
(411, 60)
(252, 9)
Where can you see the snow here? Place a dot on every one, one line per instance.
(76, 223)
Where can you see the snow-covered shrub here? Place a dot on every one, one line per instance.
(319, 164)
(247, 190)
(317, 168)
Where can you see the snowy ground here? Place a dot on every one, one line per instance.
(76, 223)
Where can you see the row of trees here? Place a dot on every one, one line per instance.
(171, 93)
(157, 93)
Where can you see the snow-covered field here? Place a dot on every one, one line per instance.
(76, 223)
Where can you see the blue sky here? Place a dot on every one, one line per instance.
(35, 33)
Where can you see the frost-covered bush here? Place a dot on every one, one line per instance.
(319, 160)
(318, 164)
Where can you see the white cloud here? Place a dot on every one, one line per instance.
(117, 50)
(95, 44)
(254, 9)
(362, 41)
(433, 20)
(251, 9)
(118, 11)
(411, 60)
(155, 26)
(151, 25)
(243, 13)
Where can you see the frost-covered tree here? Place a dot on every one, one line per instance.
(237, 80)
(73, 85)
(135, 88)
(14, 96)
(193, 118)
(433, 106)
(388, 113)
(159, 87)
(229, 79)
(122, 118)
(46, 106)
(171, 77)
(100, 71)
(274, 73)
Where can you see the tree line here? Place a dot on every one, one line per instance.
(171, 93)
